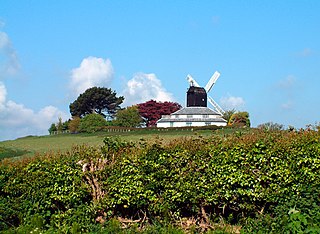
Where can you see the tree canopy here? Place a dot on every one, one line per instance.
(227, 114)
(128, 117)
(152, 110)
(240, 119)
(97, 100)
(92, 123)
(271, 126)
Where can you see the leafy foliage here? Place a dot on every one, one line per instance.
(128, 117)
(53, 128)
(270, 126)
(59, 127)
(92, 123)
(264, 181)
(74, 124)
(239, 119)
(98, 100)
(227, 114)
(152, 110)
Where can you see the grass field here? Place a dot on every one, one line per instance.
(31, 145)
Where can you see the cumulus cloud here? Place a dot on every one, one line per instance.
(92, 72)
(8, 56)
(144, 87)
(16, 120)
(3, 94)
(231, 102)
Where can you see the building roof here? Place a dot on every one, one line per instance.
(195, 110)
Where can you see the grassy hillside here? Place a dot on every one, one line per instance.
(31, 145)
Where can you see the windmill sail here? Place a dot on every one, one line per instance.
(212, 81)
(216, 106)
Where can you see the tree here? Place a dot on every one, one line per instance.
(102, 101)
(152, 110)
(128, 117)
(270, 126)
(227, 114)
(240, 119)
(60, 125)
(52, 128)
(74, 124)
(92, 123)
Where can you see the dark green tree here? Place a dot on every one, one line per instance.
(52, 128)
(128, 117)
(99, 100)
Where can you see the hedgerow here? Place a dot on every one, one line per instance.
(259, 181)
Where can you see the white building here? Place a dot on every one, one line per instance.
(192, 116)
(195, 114)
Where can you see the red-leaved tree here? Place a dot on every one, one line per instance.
(152, 110)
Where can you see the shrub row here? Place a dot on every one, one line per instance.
(263, 181)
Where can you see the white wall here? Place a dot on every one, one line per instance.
(184, 124)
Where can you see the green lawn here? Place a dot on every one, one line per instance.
(31, 145)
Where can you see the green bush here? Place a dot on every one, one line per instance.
(92, 123)
(266, 182)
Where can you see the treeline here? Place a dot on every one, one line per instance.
(99, 107)
(259, 182)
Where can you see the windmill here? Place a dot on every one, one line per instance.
(207, 88)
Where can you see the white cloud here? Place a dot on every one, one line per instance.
(10, 64)
(3, 94)
(144, 87)
(231, 102)
(92, 72)
(16, 120)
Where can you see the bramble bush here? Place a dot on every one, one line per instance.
(263, 181)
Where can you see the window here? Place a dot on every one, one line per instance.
(189, 124)
(205, 116)
(171, 124)
(189, 116)
(177, 116)
(208, 123)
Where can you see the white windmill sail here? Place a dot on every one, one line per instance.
(212, 81)
(216, 106)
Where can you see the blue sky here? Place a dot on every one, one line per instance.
(268, 54)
